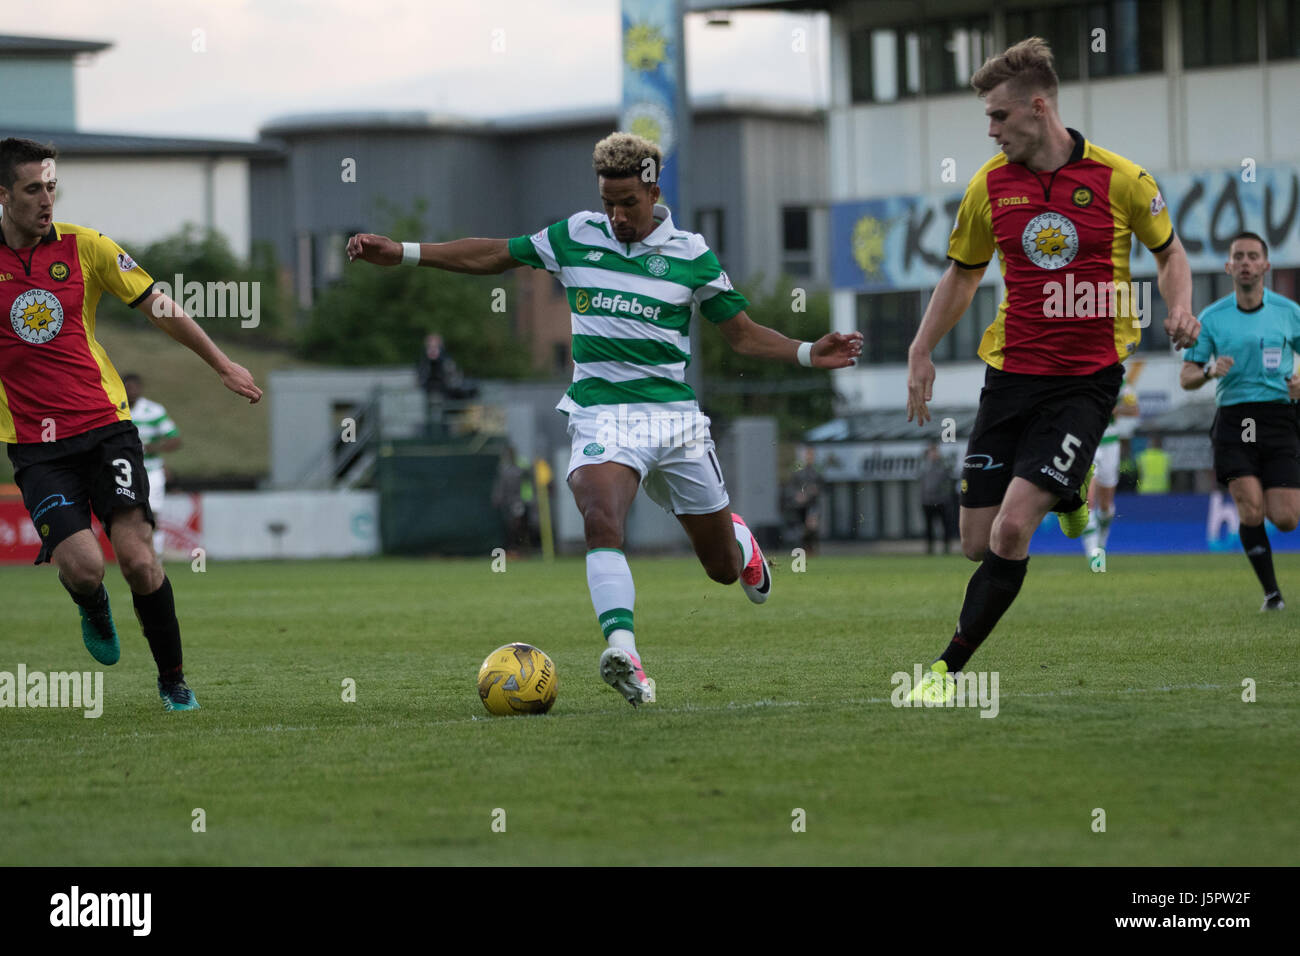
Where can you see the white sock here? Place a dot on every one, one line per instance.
(612, 595)
(745, 539)
(1104, 521)
(624, 639)
(1091, 538)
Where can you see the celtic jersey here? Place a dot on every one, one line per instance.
(1063, 240)
(55, 380)
(154, 424)
(631, 307)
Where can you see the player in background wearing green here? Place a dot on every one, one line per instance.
(1249, 341)
(158, 434)
(1105, 479)
(65, 415)
(633, 278)
(1059, 212)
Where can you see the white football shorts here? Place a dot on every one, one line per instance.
(1107, 462)
(670, 448)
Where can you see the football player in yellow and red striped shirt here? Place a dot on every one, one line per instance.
(1060, 213)
(64, 412)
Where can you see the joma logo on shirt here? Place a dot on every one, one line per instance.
(1013, 201)
(617, 303)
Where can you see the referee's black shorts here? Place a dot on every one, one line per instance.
(63, 481)
(1043, 428)
(1260, 439)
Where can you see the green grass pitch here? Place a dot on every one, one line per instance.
(1120, 691)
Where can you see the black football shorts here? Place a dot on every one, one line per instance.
(1043, 428)
(1260, 439)
(63, 481)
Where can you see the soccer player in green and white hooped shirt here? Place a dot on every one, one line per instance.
(157, 434)
(632, 278)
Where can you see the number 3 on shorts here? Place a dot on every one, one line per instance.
(1068, 445)
(123, 479)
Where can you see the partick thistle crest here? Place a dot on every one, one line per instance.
(37, 316)
(1050, 241)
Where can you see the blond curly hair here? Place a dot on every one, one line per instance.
(620, 155)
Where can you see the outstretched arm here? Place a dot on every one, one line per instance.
(482, 257)
(747, 337)
(171, 318)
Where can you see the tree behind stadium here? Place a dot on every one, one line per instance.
(381, 316)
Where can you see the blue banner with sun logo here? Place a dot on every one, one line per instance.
(652, 66)
(901, 242)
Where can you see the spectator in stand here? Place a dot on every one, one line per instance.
(802, 495)
(936, 495)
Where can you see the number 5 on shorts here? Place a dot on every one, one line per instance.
(1069, 444)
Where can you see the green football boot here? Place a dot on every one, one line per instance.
(99, 635)
(176, 695)
(937, 686)
(1075, 523)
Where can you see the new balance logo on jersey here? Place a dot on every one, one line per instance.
(617, 303)
(594, 256)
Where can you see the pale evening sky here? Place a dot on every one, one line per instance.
(267, 58)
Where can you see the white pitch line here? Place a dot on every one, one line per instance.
(682, 709)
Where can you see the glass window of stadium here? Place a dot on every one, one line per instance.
(1131, 41)
(1282, 28)
(1134, 40)
(936, 56)
(887, 321)
(963, 342)
(1061, 27)
(796, 241)
(1219, 32)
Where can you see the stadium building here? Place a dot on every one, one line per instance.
(1199, 93)
(758, 171)
(137, 189)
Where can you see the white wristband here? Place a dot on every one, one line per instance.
(410, 253)
(1208, 369)
(805, 354)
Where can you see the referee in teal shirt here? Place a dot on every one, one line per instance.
(1248, 345)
